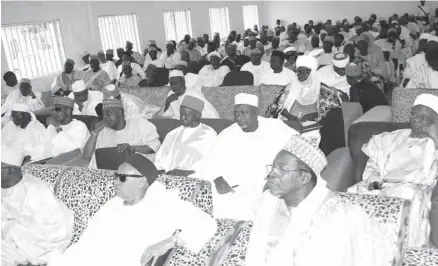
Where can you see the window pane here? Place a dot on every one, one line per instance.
(177, 24)
(33, 50)
(219, 21)
(250, 16)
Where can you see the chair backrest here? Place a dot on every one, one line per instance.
(153, 95)
(238, 78)
(88, 120)
(402, 101)
(268, 94)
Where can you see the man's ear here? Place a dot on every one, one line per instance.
(305, 177)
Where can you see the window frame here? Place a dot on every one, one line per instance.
(243, 16)
(190, 28)
(223, 35)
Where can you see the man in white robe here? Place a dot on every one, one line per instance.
(35, 224)
(178, 91)
(277, 74)
(213, 75)
(136, 68)
(85, 56)
(24, 132)
(135, 135)
(414, 63)
(136, 225)
(256, 66)
(128, 81)
(95, 78)
(64, 80)
(64, 134)
(237, 163)
(427, 74)
(152, 58)
(24, 94)
(185, 146)
(139, 58)
(108, 66)
(299, 221)
(85, 100)
(404, 163)
(170, 57)
(335, 75)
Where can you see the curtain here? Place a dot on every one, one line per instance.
(250, 16)
(177, 24)
(219, 21)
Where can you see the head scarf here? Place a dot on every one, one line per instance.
(22, 107)
(309, 89)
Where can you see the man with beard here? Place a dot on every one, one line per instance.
(256, 66)
(62, 83)
(170, 57)
(213, 75)
(95, 78)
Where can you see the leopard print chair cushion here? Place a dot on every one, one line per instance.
(420, 257)
(46, 98)
(45, 172)
(402, 101)
(152, 95)
(222, 98)
(268, 94)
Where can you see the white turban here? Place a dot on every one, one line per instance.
(428, 100)
(22, 107)
(433, 39)
(213, 54)
(341, 60)
(176, 73)
(247, 99)
(78, 86)
(290, 49)
(307, 61)
(425, 36)
(12, 156)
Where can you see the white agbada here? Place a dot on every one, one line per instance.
(210, 77)
(119, 234)
(138, 131)
(135, 107)
(184, 147)
(256, 71)
(283, 78)
(413, 65)
(136, 70)
(89, 106)
(173, 111)
(16, 97)
(6, 90)
(425, 77)
(241, 159)
(110, 68)
(157, 62)
(35, 224)
(170, 61)
(73, 136)
(329, 77)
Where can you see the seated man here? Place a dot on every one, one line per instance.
(108, 66)
(256, 66)
(64, 134)
(427, 74)
(278, 74)
(298, 218)
(85, 100)
(152, 58)
(184, 147)
(24, 132)
(404, 163)
(177, 94)
(334, 75)
(170, 57)
(136, 68)
(237, 163)
(143, 213)
(135, 135)
(62, 84)
(213, 75)
(24, 94)
(35, 224)
(95, 78)
(128, 81)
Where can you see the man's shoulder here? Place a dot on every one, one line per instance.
(208, 129)
(78, 124)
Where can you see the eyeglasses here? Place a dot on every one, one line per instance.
(270, 168)
(122, 177)
(56, 109)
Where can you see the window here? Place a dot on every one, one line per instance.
(177, 24)
(220, 21)
(33, 50)
(250, 16)
(116, 30)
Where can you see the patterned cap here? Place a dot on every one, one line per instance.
(71, 62)
(24, 80)
(111, 102)
(100, 52)
(329, 39)
(109, 51)
(64, 101)
(94, 57)
(111, 92)
(307, 152)
(353, 70)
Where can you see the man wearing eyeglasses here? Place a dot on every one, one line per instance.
(142, 222)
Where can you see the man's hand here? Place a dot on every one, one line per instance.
(51, 120)
(432, 131)
(222, 186)
(27, 159)
(375, 186)
(99, 126)
(32, 94)
(153, 252)
(169, 100)
(179, 172)
(126, 149)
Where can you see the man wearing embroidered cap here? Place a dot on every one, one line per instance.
(96, 78)
(108, 66)
(291, 55)
(133, 135)
(278, 74)
(85, 56)
(128, 81)
(178, 91)
(308, 217)
(184, 147)
(427, 74)
(35, 224)
(24, 132)
(236, 164)
(85, 100)
(256, 66)
(143, 215)
(414, 63)
(213, 75)
(410, 167)
(326, 57)
(334, 75)
(109, 55)
(170, 57)
(139, 59)
(152, 57)
(64, 133)
(24, 94)
(136, 68)
(62, 83)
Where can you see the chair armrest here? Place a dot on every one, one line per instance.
(339, 172)
(381, 113)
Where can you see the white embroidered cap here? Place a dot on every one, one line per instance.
(78, 86)
(425, 36)
(341, 60)
(12, 156)
(247, 99)
(428, 100)
(22, 107)
(290, 49)
(433, 39)
(176, 73)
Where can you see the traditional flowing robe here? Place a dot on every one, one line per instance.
(194, 54)
(305, 235)
(283, 78)
(136, 107)
(408, 168)
(6, 90)
(136, 70)
(24, 139)
(139, 58)
(15, 96)
(63, 81)
(157, 62)
(325, 59)
(170, 61)
(413, 65)
(89, 106)
(241, 159)
(96, 81)
(130, 83)
(35, 224)
(425, 77)
(329, 77)
(256, 71)
(184, 147)
(73, 136)
(210, 77)
(173, 111)
(110, 68)
(138, 131)
(119, 234)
